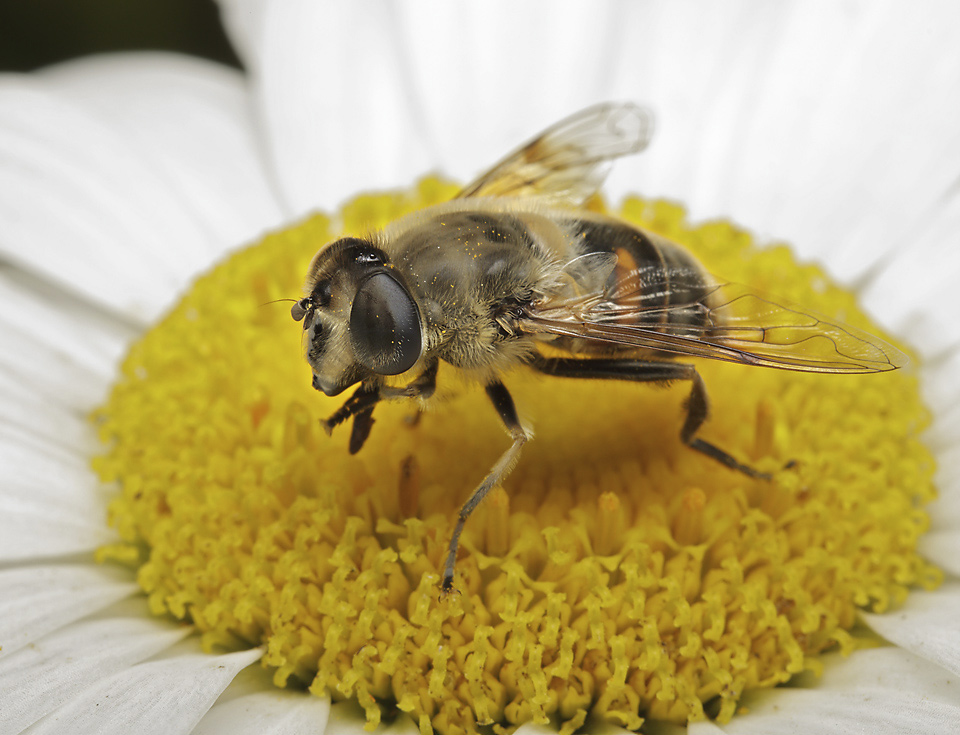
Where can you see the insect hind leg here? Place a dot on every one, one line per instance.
(650, 371)
(503, 403)
(698, 407)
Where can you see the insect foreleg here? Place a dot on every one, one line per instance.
(360, 405)
(647, 371)
(363, 399)
(423, 387)
(508, 413)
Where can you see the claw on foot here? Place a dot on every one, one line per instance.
(446, 589)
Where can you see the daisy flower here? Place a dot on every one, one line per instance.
(127, 182)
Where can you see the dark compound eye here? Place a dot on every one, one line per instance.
(385, 325)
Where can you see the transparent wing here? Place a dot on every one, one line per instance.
(567, 162)
(686, 313)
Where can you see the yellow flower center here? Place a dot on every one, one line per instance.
(618, 574)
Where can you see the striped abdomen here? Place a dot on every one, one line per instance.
(657, 283)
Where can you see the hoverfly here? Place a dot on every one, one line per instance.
(514, 262)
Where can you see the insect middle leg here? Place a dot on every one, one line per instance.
(649, 371)
(503, 402)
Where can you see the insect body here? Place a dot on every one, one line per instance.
(484, 281)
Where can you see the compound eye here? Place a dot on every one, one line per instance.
(385, 325)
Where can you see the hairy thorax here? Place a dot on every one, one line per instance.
(469, 268)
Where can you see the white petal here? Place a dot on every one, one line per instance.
(477, 106)
(803, 120)
(767, 113)
(80, 206)
(600, 727)
(58, 348)
(847, 695)
(945, 510)
(913, 290)
(799, 712)
(406, 98)
(243, 20)
(940, 391)
(192, 120)
(943, 549)
(532, 729)
(165, 697)
(706, 727)
(275, 712)
(38, 679)
(873, 691)
(346, 718)
(51, 504)
(888, 668)
(46, 372)
(928, 625)
(50, 378)
(85, 201)
(245, 707)
(335, 98)
(38, 600)
(29, 420)
(942, 394)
